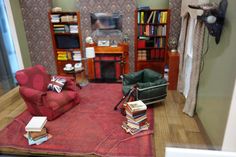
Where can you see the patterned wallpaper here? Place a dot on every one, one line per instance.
(35, 14)
(125, 7)
(175, 19)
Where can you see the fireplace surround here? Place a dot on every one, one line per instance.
(108, 67)
(109, 63)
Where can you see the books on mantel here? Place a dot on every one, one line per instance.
(36, 132)
(136, 117)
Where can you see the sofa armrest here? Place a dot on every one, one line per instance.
(70, 83)
(153, 87)
(132, 78)
(32, 95)
(150, 85)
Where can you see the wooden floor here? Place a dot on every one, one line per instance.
(172, 127)
(1, 90)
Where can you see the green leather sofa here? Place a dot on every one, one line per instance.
(150, 85)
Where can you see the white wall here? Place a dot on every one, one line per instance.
(229, 143)
(182, 152)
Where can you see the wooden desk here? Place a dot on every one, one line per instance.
(173, 62)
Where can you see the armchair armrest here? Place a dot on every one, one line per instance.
(152, 87)
(149, 85)
(32, 95)
(132, 78)
(70, 83)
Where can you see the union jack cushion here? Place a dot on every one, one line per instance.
(56, 84)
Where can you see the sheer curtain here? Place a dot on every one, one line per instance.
(190, 49)
(8, 60)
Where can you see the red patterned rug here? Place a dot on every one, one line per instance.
(92, 127)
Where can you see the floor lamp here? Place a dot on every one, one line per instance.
(89, 54)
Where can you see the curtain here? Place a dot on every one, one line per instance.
(190, 49)
(181, 50)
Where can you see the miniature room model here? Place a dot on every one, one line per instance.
(116, 78)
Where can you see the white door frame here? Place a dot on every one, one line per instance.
(14, 34)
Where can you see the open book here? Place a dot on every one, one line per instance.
(135, 106)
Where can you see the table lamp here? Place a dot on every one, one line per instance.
(89, 54)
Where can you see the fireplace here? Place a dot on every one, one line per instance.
(108, 68)
(108, 71)
(109, 64)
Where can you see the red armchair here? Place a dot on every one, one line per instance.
(40, 101)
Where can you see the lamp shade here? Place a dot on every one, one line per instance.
(90, 52)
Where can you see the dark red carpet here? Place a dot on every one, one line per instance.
(92, 127)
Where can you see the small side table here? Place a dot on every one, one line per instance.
(82, 80)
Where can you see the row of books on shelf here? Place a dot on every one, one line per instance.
(152, 17)
(68, 55)
(63, 28)
(153, 54)
(152, 43)
(151, 30)
(36, 132)
(56, 18)
(136, 117)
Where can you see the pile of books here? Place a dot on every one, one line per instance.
(36, 132)
(55, 18)
(68, 18)
(73, 28)
(136, 117)
(59, 28)
(63, 55)
(142, 55)
(77, 56)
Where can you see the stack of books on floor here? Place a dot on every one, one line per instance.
(36, 132)
(136, 117)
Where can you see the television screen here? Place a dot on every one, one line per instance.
(67, 41)
(106, 21)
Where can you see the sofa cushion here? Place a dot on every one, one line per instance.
(57, 100)
(56, 84)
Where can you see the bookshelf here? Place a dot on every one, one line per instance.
(66, 38)
(151, 38)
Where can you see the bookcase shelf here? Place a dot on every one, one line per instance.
(151, 38)
(154, 24)
(66, 37)
(66, 23)
(147, 48)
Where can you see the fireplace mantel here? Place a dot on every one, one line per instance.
(121, 50)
